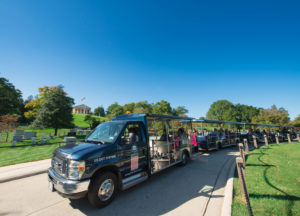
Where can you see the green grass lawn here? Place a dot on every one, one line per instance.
(273, 179)
(25, 152)
(79, 119)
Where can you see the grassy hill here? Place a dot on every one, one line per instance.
(79, 119)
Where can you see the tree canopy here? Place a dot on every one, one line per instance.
(245, 113)
(55, 111)
(11, 101)
(296, 121)
(222, 110)
(32, 106)
(272, 116)
(99, 111)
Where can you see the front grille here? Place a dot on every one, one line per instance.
(59, 165)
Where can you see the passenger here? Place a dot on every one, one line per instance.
(181, 137)
(200, 132)
(221, 134)
(205, 133)
(194, 141)
(163, 136)
(132, 136)
(177, 139)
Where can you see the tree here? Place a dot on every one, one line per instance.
(92, 121)
(221, 110)
(117, 111)
(99, 111)
(34, 104)
(55, 111)
(245, 113)
(11, 101)
(180, 111)
(129, 107)
(112, 107)
(272, 116)
(8, 123)
(162, 107)
(296, 121)
(143, 107)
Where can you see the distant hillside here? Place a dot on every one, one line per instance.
(79, 119)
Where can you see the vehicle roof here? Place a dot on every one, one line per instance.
(238, 123)
(149, 116)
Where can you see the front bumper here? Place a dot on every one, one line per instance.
(67, 187)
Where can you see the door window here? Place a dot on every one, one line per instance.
(132, 134)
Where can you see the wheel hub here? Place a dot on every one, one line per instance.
(106, 189)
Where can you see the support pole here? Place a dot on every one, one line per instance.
(242, 155)
(254, 141)
(266, 140)
(277, 138)
(243, 183)
(246, 146)
(298, 137)
(289, 138)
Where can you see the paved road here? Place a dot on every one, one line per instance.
(196, 189)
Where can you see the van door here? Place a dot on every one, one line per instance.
(132, 150)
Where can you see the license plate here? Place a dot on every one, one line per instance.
(51, 187)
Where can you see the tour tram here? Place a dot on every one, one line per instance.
(215, 139)
(120, 154)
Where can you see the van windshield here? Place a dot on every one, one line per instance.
(106, 132)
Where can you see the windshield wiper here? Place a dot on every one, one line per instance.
(94, 141)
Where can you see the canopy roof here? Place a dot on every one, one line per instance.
(189, 119)
(151, 116)
(238, 123)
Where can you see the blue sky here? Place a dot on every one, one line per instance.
(189, 53)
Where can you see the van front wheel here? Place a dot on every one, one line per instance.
(103, 189)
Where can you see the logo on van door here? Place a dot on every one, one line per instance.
(134, 160)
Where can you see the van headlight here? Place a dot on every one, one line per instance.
(76, 169)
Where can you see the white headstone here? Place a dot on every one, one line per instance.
(17, 138)
(0, 136)
(47, 138)
(13, 143)
(32, 140)
(70, 140)
(28, 135)
(42, 140)
(19, 132)
(53, 137)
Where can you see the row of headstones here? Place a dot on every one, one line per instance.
(33, 140)
(20, 135)
(68, 140)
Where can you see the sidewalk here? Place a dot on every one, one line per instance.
(13, 172)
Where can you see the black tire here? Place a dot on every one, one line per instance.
(102, 179)
(185, 158)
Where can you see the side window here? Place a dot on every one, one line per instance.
(132, 134)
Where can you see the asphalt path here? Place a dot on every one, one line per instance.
(195, 189)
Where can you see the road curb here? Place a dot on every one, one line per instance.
(228, 192)
(22, 176)
(23, 170)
